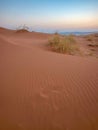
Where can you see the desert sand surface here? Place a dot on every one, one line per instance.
(44, 90)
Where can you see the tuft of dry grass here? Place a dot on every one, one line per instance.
(55, 40)
(90, 38)
(66, 44)
(22, 29)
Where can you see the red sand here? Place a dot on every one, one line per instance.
(43, 90)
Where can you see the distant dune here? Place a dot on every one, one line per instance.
(43, 90)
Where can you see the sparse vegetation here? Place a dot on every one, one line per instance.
(93, 45)
(66, 44)
(93, 41)
(89, 38)
(22, 29)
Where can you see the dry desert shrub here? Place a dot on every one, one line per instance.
(22, 29)
(66, 44)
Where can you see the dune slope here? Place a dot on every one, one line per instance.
(42, 90)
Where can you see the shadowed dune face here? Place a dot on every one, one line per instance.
(45, 90)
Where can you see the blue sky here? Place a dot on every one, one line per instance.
(47, 15)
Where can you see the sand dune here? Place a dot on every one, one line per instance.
(43, 90)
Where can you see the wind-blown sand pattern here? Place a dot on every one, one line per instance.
(43, 90)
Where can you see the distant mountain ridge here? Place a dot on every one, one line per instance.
(77, 33)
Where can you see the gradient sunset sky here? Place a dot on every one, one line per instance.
(48, 15)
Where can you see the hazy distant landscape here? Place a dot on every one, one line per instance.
(78, 33)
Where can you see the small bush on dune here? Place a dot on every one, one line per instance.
(22, 29)
(69, 45)
(66, 44)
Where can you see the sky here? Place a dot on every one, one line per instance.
(50, 15)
